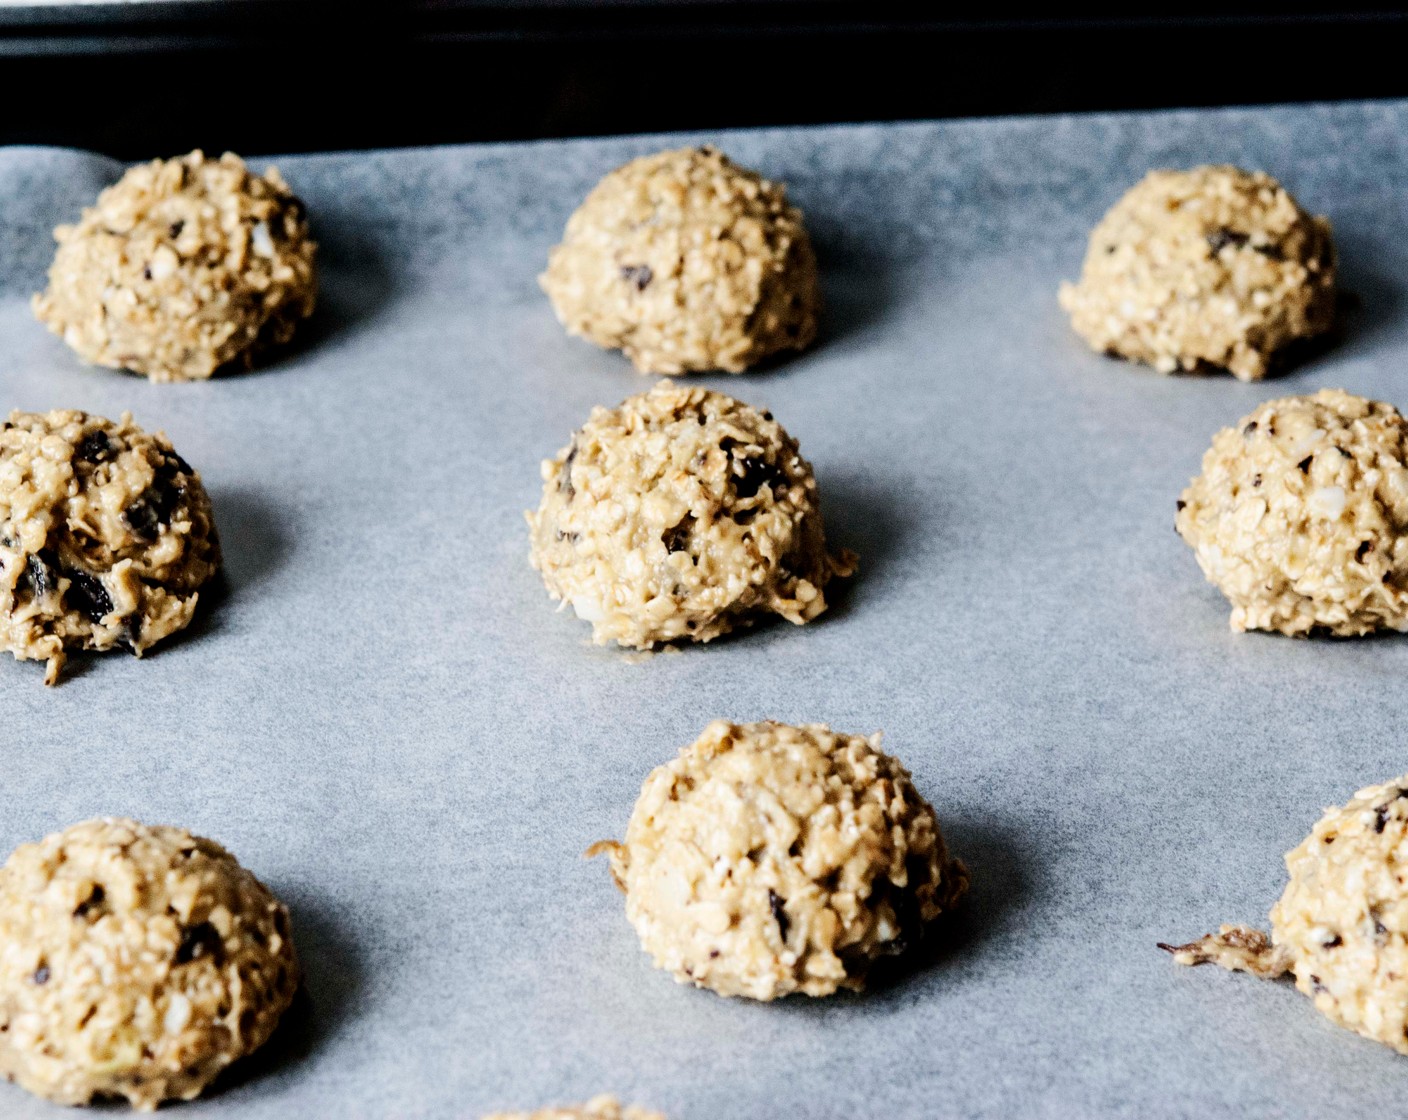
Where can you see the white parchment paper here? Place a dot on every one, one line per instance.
(387, 721)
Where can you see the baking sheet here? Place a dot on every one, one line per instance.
(387, 721)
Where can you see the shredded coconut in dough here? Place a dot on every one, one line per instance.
(1299, 516)
(1210, 268)
(686, 262)
(183, 266)
(770, 859)
(1342, 924)
(106, 536)
(135, 961)
(681, 514)
(598, 1108)
(1237, 949)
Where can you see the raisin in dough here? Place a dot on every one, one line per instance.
(598, 1108)
(106, 536)
(686, 262)
(136, 961)
(1214, 268)
(1299, 516)
(681, 514)
(1341, 927)
(768, 859)
(184, 266)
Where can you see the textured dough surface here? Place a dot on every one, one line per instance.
(1341, 926)
(769, 859)
(181, 267)
(136, 961)
(1214, 268)
(681, 514)
(1299, 516)
(686, 262)
(598, 1108)
(106, 536)
(1236, 948)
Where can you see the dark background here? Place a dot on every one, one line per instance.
(305, 75)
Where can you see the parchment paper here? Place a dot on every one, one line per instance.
(386, 720)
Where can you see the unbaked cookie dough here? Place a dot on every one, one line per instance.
(686, 262)
(681, 514)
(1214, 268)
(184, 266)
(769, 859)
(106, 537)
(1300, 516)
(1342, 924)
(136, 961)
(598, 1108)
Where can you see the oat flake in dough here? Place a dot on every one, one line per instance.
(182, 267)
(136, 961)
(686, 262)
(106, 537)
(598, 1108)
(1341, 927)
(1214, 268)
(682, 514)
(1299, 516)
(769, 859)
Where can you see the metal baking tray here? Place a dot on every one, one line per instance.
(384, 717)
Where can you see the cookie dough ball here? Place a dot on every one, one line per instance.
(770, 859)
(184, 266)
(686, 262)
(135, 961)
(598, 1108)
(681, 514)
(1300, 514)
(1214, 268)
(106, 536)
(1342, 924)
